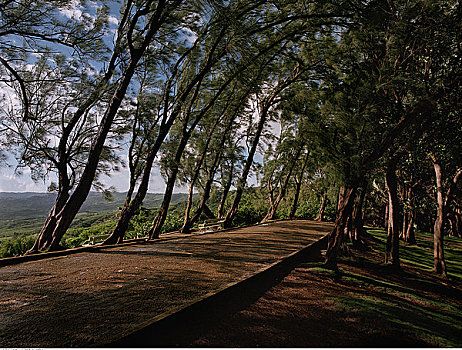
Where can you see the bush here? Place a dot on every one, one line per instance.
(16, 246)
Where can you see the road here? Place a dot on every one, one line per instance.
(91, 298)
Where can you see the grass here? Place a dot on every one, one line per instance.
(421, 254)
(409, 306)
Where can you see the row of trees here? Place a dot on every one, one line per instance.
(359, 95)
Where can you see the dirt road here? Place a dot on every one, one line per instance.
(88, 298)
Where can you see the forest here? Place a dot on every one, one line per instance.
(339, 110)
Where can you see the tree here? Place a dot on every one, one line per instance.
(137, 29)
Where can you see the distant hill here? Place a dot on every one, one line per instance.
(30, 205)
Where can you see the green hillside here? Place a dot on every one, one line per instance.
(24, 213)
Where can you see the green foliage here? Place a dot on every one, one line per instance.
(15, 246)
(77, 236)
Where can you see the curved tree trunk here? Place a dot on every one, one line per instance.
(337, 236)
(357, 221)
(293, 208)
(274, 204)
(158, 222)
(298, 186)
(322, 208)
(245, 172)
(226, 188)
(45, 236)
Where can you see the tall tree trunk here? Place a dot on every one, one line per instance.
(293, 208)
(393, 213)
(298, 186)
(336, 237)
(158, 222)
(245, 172)
(274, 204)
(187, 210)
(45, 236)
(386, 218)
(340, 199)
(226, 188)
(186, 222)
(408, 227)
(202, 205)
(410, 231)
(438, 240)
(357, 220)
(322, 208)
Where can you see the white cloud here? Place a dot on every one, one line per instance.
(113, 20)
(72, 11)
(15, 183)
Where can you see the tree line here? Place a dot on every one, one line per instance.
(361, 96)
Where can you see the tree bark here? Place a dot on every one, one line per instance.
(45, 236)
(438, 240)
(340, 199)
(336, 237)
(226, 188)
(386, 217)
(274, 204)
(322, 208)
(298, 186)
(245, 172)
(393, 213)
(357, 220)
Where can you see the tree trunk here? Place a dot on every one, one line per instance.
(322, 208)
(410, 231)
(393, 213)
(158, 222)
(45, 236)
(357, 221)
(187, 210)
(293, 208)
(298, 186)
(245, 172)
(226, 188)
(274, 205)
(340, 199)
(438, 240)
(386, 218)
(187, 222)
(337, 236)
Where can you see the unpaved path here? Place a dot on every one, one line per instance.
(84, 299)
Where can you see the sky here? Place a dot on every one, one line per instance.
(11, 182)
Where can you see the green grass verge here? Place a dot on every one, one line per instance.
(421, 254)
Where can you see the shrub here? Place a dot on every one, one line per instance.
(16, 246)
